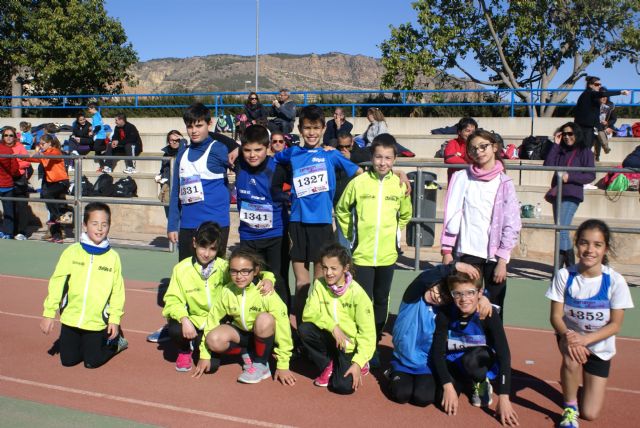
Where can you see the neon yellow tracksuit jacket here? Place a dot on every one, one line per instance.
(381, 210)
(190, 295)
(244, 306)
(352, 312)
(88, 289)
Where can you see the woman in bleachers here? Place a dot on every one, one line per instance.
(571, 151)
(254, 110)
(377, 126)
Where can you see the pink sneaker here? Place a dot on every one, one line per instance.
(183, 362)
(364, 370)
(323, 379)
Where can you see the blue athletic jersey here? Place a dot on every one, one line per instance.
(96, 121)
(260, 216)
(314, 182)
(413, 336)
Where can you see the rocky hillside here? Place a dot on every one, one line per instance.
(211, 73)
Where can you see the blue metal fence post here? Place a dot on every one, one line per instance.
(135, 100)
(513, 102)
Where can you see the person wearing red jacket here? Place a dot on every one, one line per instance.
(8, 171)
(456, 149)
(20, 186)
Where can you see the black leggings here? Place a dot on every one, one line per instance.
(184, 345)
(376, 281)
(321, 348)
(271, 251)
(476, 363)
(418, 389)
(77, 345)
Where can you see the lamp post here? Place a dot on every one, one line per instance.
(257, 34)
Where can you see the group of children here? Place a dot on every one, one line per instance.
(448, 335)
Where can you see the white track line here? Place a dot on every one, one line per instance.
(555, 382)
(213, 415)
(29, 278)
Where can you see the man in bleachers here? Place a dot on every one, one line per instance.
(126, 140)
(284, 112)
(335, 127)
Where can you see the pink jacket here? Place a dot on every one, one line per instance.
(505, 219)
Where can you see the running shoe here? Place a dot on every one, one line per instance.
(323, 379)
(160, 335)
(246, 361)
(130, 170)
(20, 237)
(106, 170)
(569, 418)
(481, 394)
(5, 236)
(122, 344)
(255, 373)
(183, 362)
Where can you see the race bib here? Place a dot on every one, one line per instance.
(311, 180)
(459, 343)
(191, 189)
(257, 216)
(588, 319)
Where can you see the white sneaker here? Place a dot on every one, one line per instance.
(106, 170)
(70, 168)
(130, 170)
(20, 237)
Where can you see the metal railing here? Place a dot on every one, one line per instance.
(418, 219)
(506, 97)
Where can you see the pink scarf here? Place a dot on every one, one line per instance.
(483, 175)
(338, 290)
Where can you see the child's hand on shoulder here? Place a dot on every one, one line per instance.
(265, 286)
(285, 377)
(202, 367)
(355, 371)
(46, 325)
(485, 308)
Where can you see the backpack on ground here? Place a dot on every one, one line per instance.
(225, 123)
(635, 129)
(633, 180)
(535, 148)
(440, 152)
(510, 152)
(125, 188)
(85, 185)
(104, 185)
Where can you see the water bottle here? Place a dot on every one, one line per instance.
(537, 212)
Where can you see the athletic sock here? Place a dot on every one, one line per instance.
(263, 346)
(573, 404)
(234, 349)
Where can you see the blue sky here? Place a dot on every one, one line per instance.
(169, 28)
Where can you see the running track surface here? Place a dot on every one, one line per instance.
(141, 384)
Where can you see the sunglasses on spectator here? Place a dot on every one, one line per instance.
(568, 134)
(253, 98)
(277, 141)
(174, 141)
(597, 84)
(481, 148)
(9, 135)
(344, 147)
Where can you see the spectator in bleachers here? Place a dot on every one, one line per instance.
(587, 112)
(26, 137)
(9, 170)
(606, 126)
(377, 126)
(633, 159)
(277, 143)
(572, 151)
(20, 184)
(254, 110)
(126, 140)
(80, 142)
(456, 149)
(335, 127)
(174, 142)
(284, 111)
(99, 136)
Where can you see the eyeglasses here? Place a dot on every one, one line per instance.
(9, 136)
(477, 149)
(277, 141)
(241, 272)
(568, 134)
(253, 98)
(598, 84)
(466, 293)
(343, 147)
(174, 141)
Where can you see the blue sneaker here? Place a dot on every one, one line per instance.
(569, 418)
(5, 236)
(160, 335)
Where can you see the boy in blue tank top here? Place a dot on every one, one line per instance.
(199, 189)
(313, 186)
(262, 203)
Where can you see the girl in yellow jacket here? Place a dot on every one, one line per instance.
(88, 290)
(195, 286)
(257, 321)
(338, 328)
(371, 212)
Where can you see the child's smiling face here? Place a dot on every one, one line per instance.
(97, 227)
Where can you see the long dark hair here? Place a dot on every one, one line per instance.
(490, 137)
(596, 224)
(577, 132)
(248, 102)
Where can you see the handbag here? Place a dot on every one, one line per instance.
(21, 184)
(617, 187)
